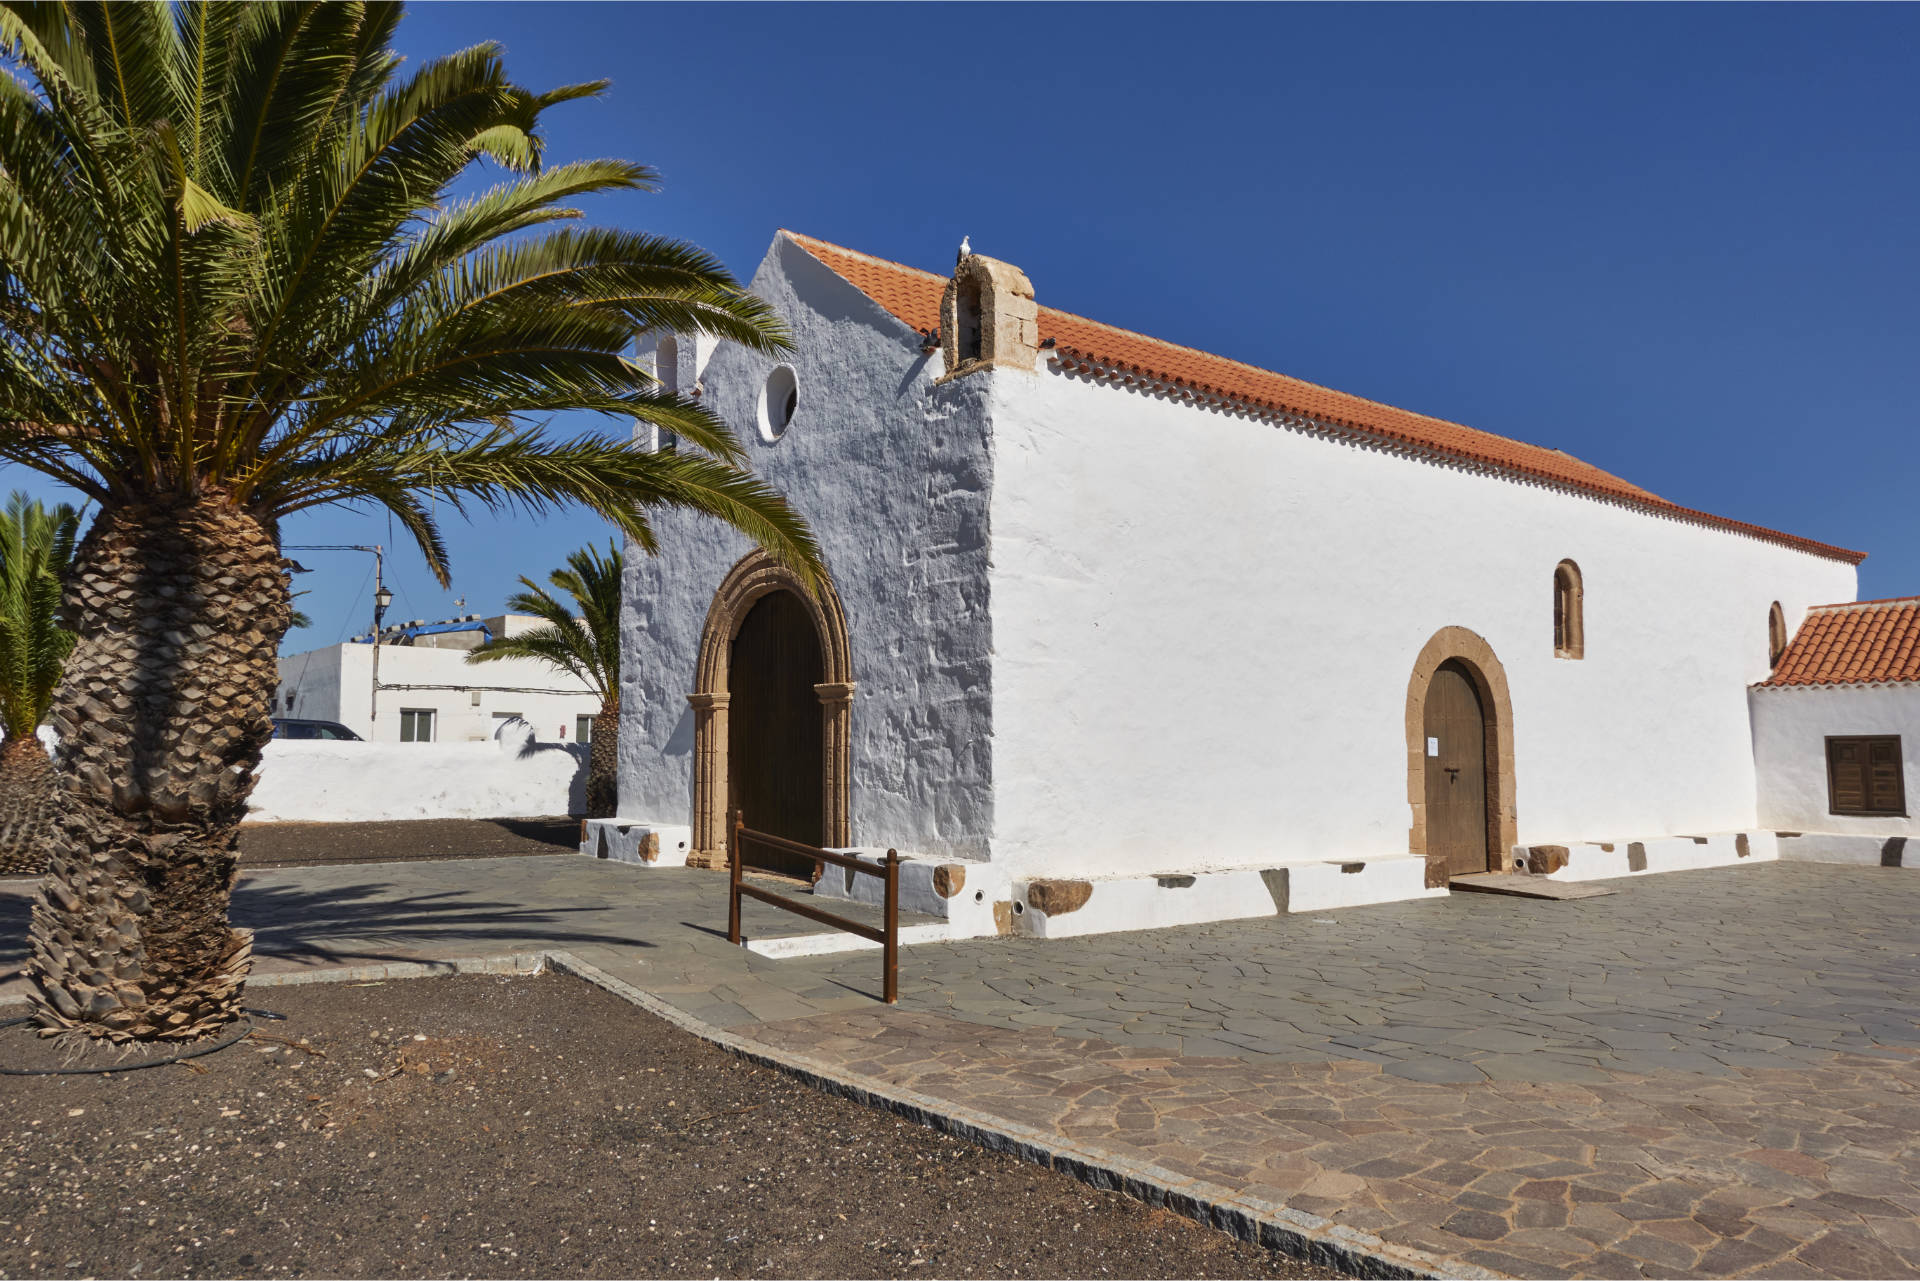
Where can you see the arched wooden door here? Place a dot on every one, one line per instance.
(775, 764)
(1456, 728)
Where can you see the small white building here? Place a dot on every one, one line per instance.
(1123, 633)
(1834, 733)
(429, 692)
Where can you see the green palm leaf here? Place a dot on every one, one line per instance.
(241, 277)
(581, 638)
(36, 547)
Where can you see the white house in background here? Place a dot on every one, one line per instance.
(1835, 729)
(429, 692)
(1120, 633)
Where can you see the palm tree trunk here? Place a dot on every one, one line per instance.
(603, 764)
(26, 804)
(162, 716)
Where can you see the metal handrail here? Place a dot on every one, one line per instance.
(888, 937)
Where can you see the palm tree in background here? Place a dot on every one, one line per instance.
(236, 283)
(36, 546)
(584, 639)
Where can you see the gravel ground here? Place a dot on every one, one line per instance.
(526, 1127)
(312, 844)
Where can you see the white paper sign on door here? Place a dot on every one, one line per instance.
(1433, 747)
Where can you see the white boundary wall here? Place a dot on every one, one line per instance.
(1790, 729)
(333, 782)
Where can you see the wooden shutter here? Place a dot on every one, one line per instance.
(1885, 792)
(1864, 776)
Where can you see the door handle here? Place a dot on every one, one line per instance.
(1453, 774)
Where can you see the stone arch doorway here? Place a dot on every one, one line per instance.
(1460, 758)
(793, 636)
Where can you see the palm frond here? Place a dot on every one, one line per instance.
(36, 547)
(234, 264)
(582, 638)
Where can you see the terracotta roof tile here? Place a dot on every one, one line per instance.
(1861, 643)
(913, 297)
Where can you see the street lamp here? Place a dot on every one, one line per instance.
(381, 599)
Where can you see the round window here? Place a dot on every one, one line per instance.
(778, 401)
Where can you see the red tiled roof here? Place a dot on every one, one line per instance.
(1861, 643)
(913, 297)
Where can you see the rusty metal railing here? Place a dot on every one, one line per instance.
(888, 936)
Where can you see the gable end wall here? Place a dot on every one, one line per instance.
(894, 477)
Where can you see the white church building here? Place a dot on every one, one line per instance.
(1120, 633)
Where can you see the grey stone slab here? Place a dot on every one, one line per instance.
(1435, 1069)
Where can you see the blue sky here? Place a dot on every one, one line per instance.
(1682, 242)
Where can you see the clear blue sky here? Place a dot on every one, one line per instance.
(1682, 242)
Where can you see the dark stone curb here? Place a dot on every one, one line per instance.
(1279, 1227)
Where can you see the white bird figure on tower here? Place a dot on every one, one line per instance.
(966, 248)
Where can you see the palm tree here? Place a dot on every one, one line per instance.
(586, 644)
(236, 282)
(36, 545)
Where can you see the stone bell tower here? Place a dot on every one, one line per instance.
(988, 318)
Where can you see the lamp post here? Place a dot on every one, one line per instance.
(381, 599)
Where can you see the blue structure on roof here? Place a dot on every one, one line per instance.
(395, 634)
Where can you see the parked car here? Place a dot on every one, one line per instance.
(285, 727)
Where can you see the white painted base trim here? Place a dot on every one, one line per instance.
(827, 944)
(625, 840)
(1849, 847)
(1588, 861)
(1171, 899)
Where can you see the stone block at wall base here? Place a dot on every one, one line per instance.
(1604, 860)
(635, 841)
(1849, 847)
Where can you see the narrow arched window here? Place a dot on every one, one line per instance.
(967, 307)
(666, 368)
(1569, 623)
(1776, 634)
(666, 364)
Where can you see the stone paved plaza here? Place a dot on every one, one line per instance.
(1707, 1073)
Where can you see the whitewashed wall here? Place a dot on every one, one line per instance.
(894, 477)
(1790, 729)
(1205, 626)
(1193, 645)
(333, 684)
(511, 776)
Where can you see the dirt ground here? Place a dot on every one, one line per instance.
(312, 844)
(501, 1127)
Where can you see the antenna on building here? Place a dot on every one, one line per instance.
(459, 606)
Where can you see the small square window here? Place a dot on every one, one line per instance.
(583, 729)
(416, 724)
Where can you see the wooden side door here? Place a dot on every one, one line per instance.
(1456, 755)
(775, 757)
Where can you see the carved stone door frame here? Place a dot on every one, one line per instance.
(757, 574)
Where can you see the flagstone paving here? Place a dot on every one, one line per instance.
(1712, 1072)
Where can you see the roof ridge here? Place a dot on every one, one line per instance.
(1277, 373)
(908, 295)
(804, 240)
(1881, 602)
(1188, 347)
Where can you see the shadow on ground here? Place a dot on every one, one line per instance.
(367, 922)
